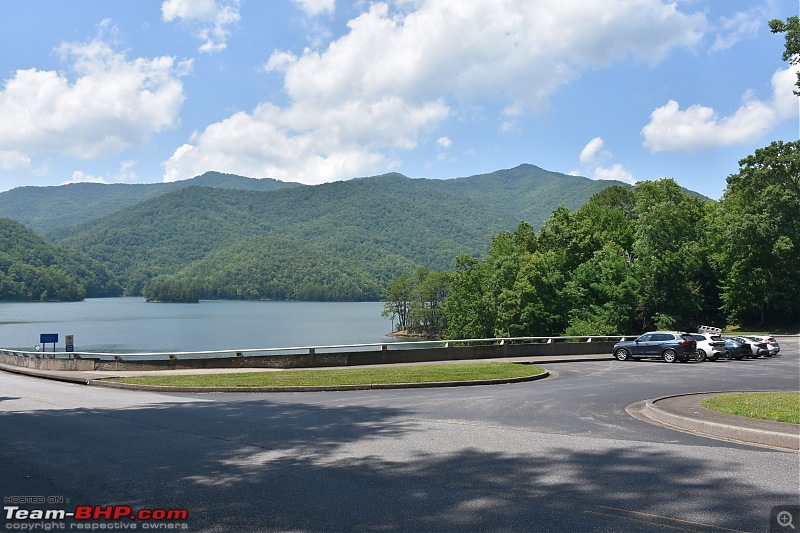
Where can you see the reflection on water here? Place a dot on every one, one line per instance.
(119, 325)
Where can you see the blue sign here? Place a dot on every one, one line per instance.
(48, 338)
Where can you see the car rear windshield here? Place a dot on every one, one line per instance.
(687, 337)
(716, 338)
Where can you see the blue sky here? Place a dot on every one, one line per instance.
(142, 91)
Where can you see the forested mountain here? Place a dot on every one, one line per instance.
(31, 269)
(266, 268)
(368, 230)
(45, 209)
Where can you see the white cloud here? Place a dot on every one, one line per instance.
(591, 158)
(615, 172)
(126, 174)
(315, 7)
(400, 69)
(699, 127)
(444, 142)
(295, 145)
(112, 103)
(13, 160)
(80, 177)
(210, 17)
(593, 151)
(742, 25)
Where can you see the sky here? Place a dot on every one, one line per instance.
(313, 91)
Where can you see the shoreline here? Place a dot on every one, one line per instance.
(404, 334)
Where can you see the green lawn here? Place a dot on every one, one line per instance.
(348, 376)
(778, 406)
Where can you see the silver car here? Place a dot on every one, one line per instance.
(772, 344)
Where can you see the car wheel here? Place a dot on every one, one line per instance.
(701, 356)
(622, 354)
(670, 356)
(714, 357)
(728, 355)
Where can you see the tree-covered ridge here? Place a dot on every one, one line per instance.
(48, 209)
(31, 269)
(378, 227)
(266, 268)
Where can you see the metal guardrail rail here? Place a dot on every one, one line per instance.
(310, 350)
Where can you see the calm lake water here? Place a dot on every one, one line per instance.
(119, 325)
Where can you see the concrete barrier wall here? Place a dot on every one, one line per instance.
(47, 364)
(311, 360)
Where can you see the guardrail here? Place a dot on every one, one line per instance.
(324, 355)
(311, 350)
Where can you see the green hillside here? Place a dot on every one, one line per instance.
(45, 209)
(31, 269)
(266, 268)
(367, 231)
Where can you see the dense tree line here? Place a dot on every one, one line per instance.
(265, 268)
(756, 237)
(416, 302)
(636, 258)
(30, 269)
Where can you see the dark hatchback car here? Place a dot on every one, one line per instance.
(736, 348)
(670, 346)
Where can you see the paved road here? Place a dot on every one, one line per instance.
(559, 454)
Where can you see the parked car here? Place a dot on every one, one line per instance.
(757, 349)
(670, 346)
(736, 348)
(709, 346)
(772, 344)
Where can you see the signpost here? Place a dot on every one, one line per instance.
(69, 340)
(49, 338)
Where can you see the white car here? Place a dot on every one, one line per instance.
(772, 344)
(709, 346)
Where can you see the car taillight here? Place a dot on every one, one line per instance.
(684, 343)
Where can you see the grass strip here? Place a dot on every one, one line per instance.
(777, 406)
(348, 376)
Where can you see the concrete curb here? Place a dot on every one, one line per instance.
(53, 376)
(784, 436)
(325, 388)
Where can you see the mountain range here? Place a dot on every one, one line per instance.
(263, 238)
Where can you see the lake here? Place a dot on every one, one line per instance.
(125, 325)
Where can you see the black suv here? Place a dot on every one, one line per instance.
(670, 346)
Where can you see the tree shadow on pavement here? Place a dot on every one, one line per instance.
(263, 465)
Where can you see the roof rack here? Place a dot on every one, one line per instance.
(711, 330)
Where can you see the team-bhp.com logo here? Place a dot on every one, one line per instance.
(94, 517)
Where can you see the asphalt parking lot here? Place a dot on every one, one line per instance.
(553, 455)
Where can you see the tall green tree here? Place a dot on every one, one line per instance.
(758, 237)
(427, 312)
(469, 307)
(603, 294)
(668, 255)
(397, 298)
(792, 51)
